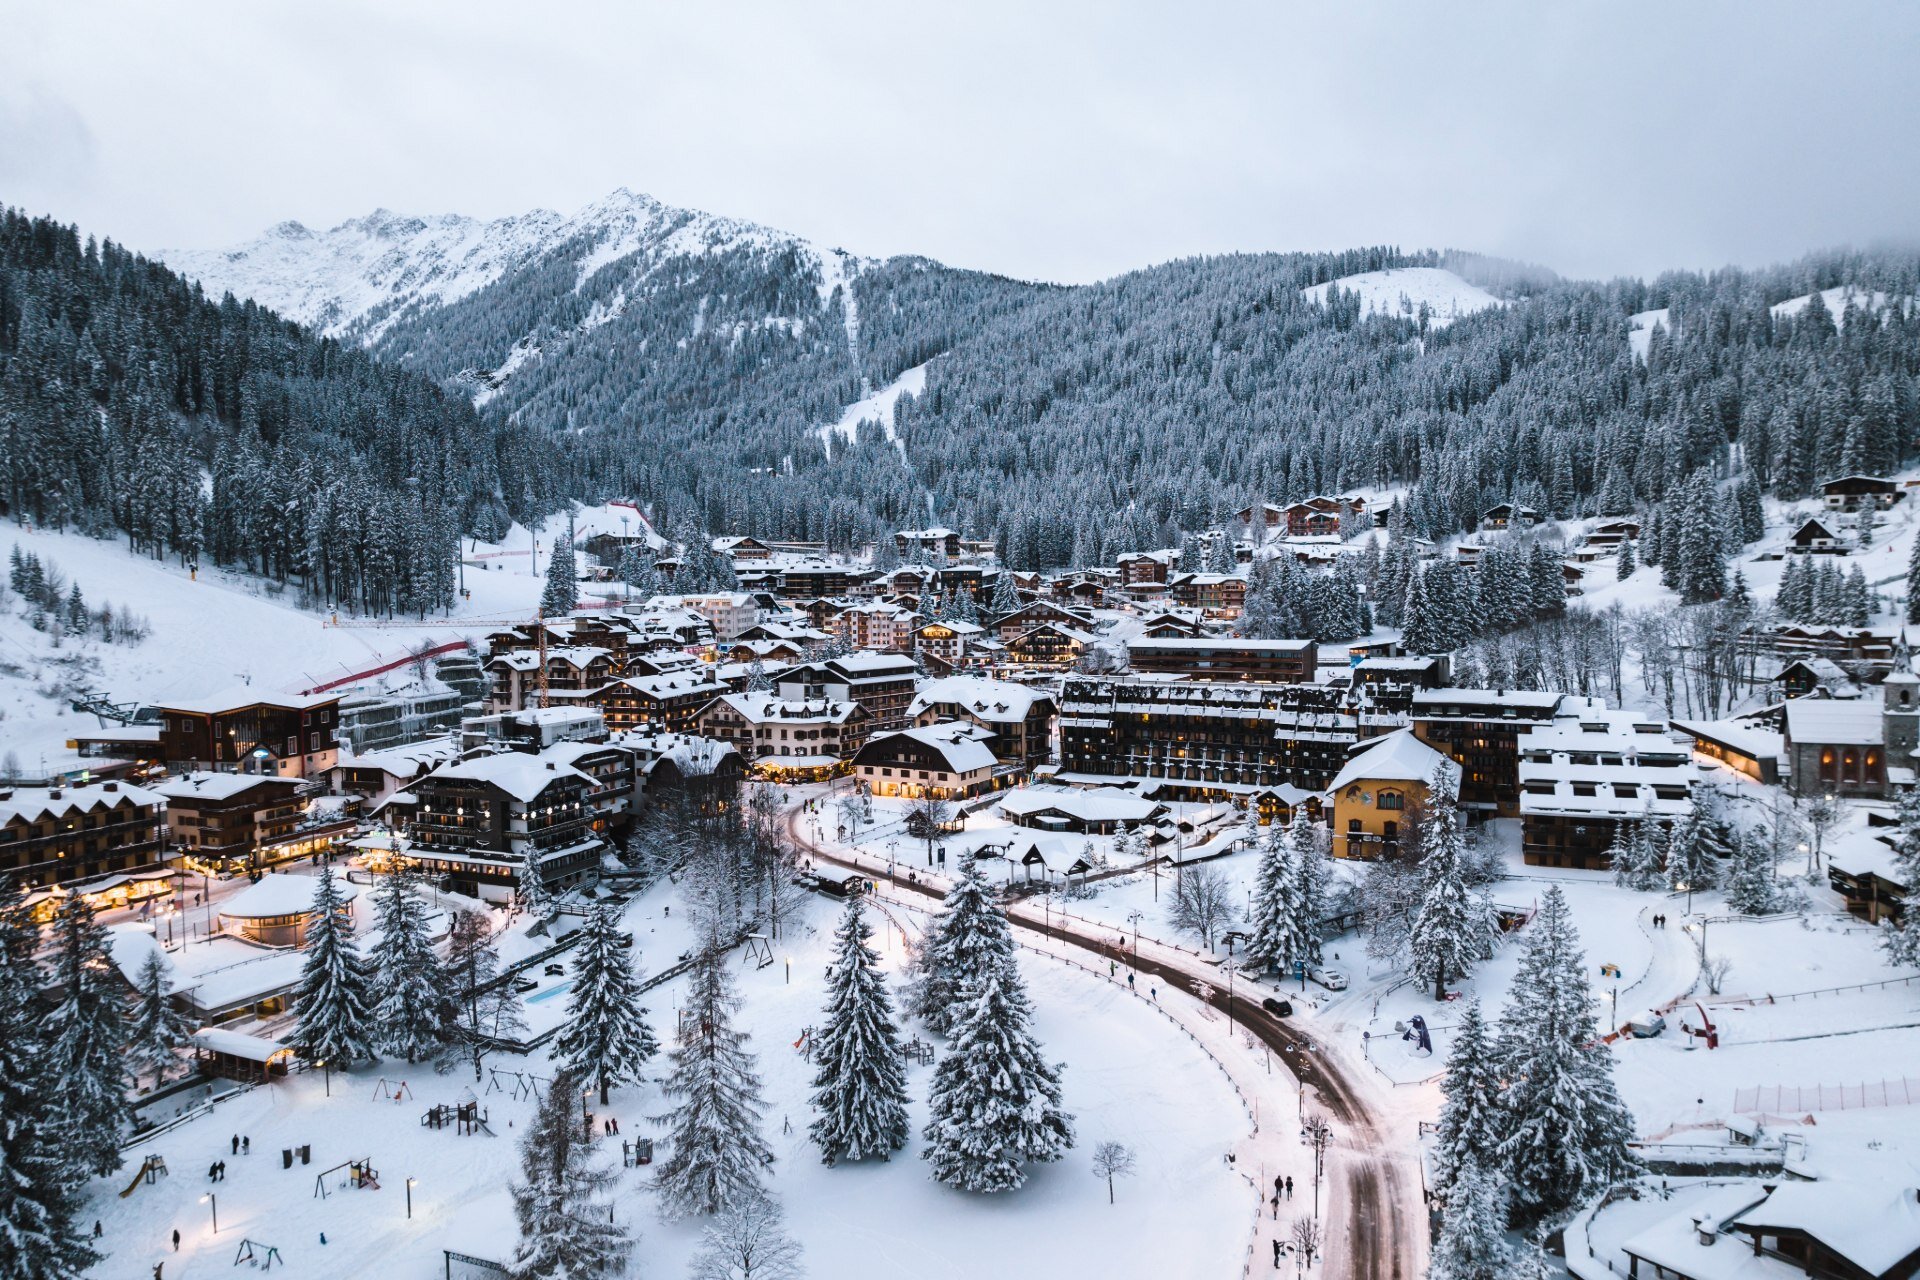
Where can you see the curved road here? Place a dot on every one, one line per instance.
(1387, 1227)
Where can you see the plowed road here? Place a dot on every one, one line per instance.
(1383, 1236)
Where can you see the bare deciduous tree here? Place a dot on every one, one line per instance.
(1112, 1160)
(747, 1242)
(1306, 1238)
(1202, 902)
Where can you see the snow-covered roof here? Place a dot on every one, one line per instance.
(241, 696)
(1871, 1225)
(1436, 701)
(280, 895)
(766, 708)
(995, 701)
(32, 804)
(1834, 722)
(1100, 804)
(1395, 757)
(238, 1044)
(404, 761)
(520, 774)
(222, 786)
(673, 684)
(1209, 644)
(1761, 744)
(960, 745)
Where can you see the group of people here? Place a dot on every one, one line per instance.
(1660, 921)
(1281, 1187)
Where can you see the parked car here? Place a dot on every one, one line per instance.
(1331, 979)
(1277, 1007)
(1645, 1026)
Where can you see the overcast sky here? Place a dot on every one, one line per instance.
(1055, 140)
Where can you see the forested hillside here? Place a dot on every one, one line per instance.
(132, 404)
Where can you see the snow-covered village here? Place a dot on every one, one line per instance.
(626, 742)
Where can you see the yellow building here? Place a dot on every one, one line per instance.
(1374, 790)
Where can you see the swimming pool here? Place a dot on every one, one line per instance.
(548, 993)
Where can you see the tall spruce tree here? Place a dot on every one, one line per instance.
(1471, 1118)
(333, 1006)
(412, 1011)
(1691, 846)
(39, 1189)
(1277, 941)
(1750, 883)
(607, 1039)
(969, 938)
(1567, 1130)
(158, 1031)
(1472, 1243)
(86, 1040)
(716, 1156)
(562, 592)
(1312, 886)
(860, 1088)
(995, 1103)
(1449, 933)
(564, 1233)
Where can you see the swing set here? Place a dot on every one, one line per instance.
(255, 1254)
(395, 1090)
(360, 1173)
(525, 1083)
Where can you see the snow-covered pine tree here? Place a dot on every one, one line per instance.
(607, 1040)
(412, 1013)
(1625, 562)
(758, 681)
(715, 1154)
(86, 1041)
(158, 1031)
(968, 939)
(1690, 852)
(562, 592)
(1312, 887)
(535, 899)
(1913, 584)
(1006, 595)
(1469, 1131)
(1750, 884)
(995, 1103)
(1472, 1243)
(1449, 928)
(860, 1087)
(39, 1190)
(1903, 935)
(564, 1234)
(1278, 937)
(1420, 628)
(1566, 1130)
(333, 1007)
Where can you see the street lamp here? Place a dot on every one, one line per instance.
(326, 1073)
(214, 1205)
(1133, 918)
(410, 1182)
(789, 960)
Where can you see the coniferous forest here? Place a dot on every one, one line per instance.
(1069, 423)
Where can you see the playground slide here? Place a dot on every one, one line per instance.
(139, 1176)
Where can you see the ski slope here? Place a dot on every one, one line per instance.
(876, 407)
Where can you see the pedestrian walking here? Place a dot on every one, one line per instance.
(223, 1171)
(1129, 982)
(1276, 1206)
(616, 1125)
(323, 1237)
(1155, 993)
(157, 1267)
(246, 1145)
(213, 1171)
(176, 1239)
(1279, 1185)
(98, 1230)
(1276, 1253)
(236, 1146)
(1289, 1187)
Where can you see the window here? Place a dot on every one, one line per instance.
(1353, 826)
(1391, 800)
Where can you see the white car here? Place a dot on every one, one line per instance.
(1331, 979)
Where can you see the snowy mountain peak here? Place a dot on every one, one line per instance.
(357, 279)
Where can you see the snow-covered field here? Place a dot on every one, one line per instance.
(1401, 291)
(1127, 1078)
